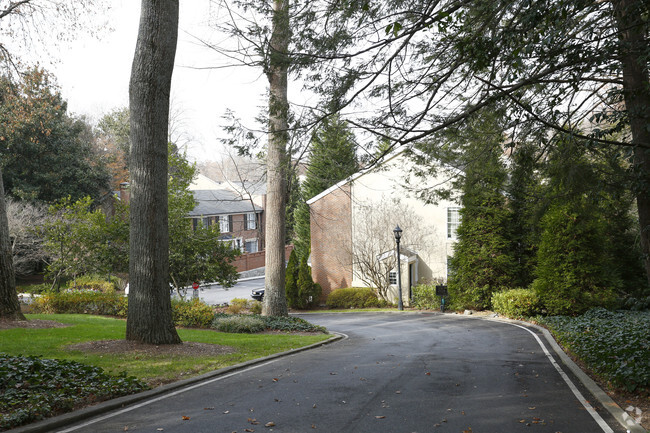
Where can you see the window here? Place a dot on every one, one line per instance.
(392, 277)
(251, 245)
(224, 224)
(207, 222)
(453, 221)
(251, 222)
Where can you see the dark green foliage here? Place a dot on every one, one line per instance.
(483, 262)
(33, 388)
(614, 345)
(46, 154)
(195, 255)
(355, 297)
(308, 292)
(524, 196)
(291, 280)
(332, 159)
(573, 271)
(248, 323)
(517, 303)
(291, 324)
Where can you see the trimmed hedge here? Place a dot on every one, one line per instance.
(517, 303)
(355, 297)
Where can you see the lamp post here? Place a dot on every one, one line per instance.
(398, 235)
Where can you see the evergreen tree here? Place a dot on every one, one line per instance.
(308, 292)
(332, 159)
(582, 229)
(572, 270)
(291, 280)
(483, 262)
(524, 196)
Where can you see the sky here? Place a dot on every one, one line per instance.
(93, 74)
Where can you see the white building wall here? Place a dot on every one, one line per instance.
(424, 226)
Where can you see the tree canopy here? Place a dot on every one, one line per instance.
(46, 155)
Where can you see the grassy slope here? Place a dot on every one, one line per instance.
(52, 342)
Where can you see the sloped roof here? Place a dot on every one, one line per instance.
(220, 202)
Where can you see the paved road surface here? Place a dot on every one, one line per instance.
(215, 294)
(398, 373)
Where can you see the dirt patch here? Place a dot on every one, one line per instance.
(31, 324)
(187, 348)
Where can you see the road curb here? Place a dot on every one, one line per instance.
(622, 417)
(65, 420)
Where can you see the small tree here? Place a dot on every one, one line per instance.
(372, 252)
(194, 254)
(308, 292)
(291, 280)
(572, 263)
(332, 158)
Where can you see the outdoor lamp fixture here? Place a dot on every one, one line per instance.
(398, 235)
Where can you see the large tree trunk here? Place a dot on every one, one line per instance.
(149, 318)
(9, 305)
(275, 302)
(636, 88)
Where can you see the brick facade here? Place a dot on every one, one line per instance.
(331, 240)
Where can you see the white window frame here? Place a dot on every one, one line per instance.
(251, 221)
(247, 241)
(392, 277)
(224, 224)
(453, 221)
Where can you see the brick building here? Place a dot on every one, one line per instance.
(352, 229)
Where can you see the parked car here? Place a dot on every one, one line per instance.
(257, 294)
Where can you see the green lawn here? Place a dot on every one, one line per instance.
(154, 369)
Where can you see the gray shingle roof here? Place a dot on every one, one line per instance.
(220, 202)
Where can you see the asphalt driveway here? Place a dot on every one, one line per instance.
(394, 373)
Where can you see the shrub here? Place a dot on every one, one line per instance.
(291, 323)
(355, 297)
(33, 388)
(614, 345)
(91, 282)
(192, 313)
(239, 324)
(75, 302)
(291, 281)
(238, 305)
(517, 303)
(256, 307)
(573, 268)
(34, 289)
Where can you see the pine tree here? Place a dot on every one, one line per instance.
(308, 292)
(572, 271)
(332, 159)
(483, 262)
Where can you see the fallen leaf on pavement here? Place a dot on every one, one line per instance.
(253, 421)
(380, 417)
(269, 424)
(185, 418)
